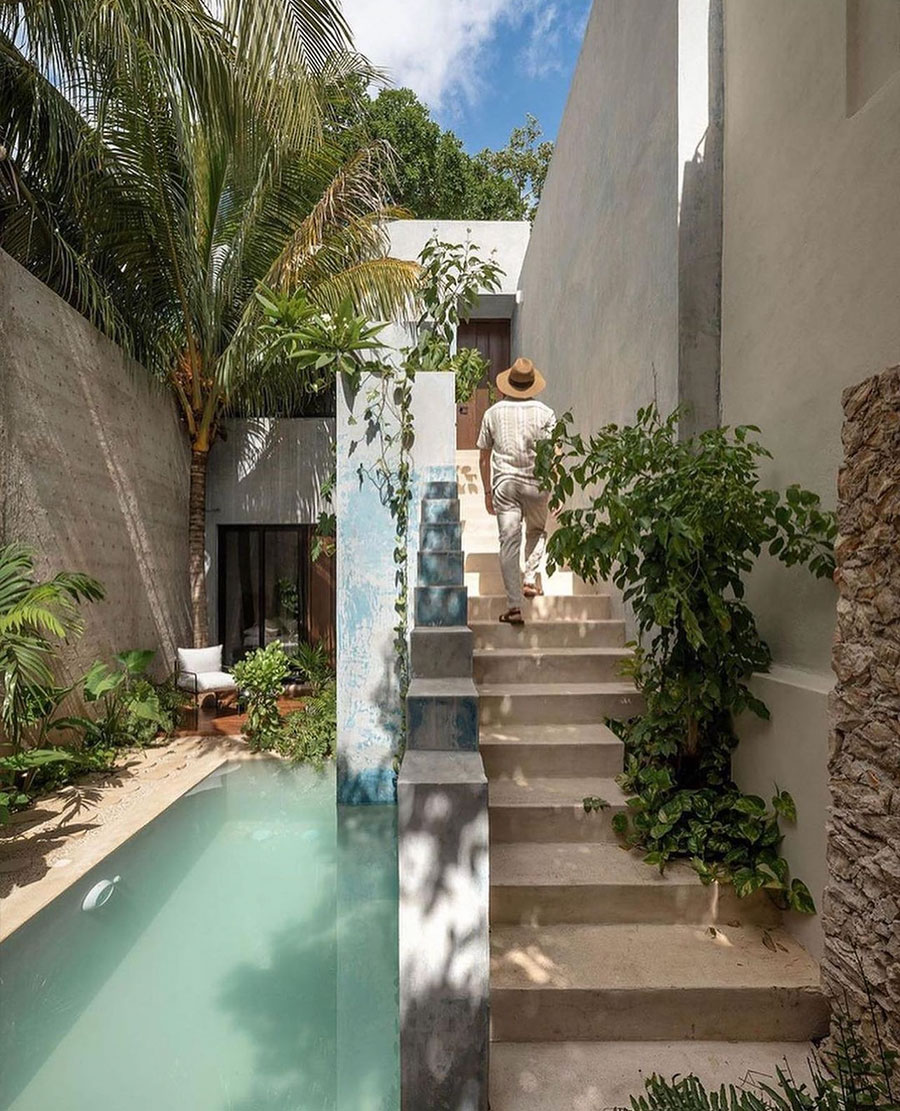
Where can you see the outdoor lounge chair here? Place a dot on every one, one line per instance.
(199, 670)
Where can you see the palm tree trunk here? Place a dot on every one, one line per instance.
(197, 545)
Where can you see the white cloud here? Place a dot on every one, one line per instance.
(432, 46)
(439, 47)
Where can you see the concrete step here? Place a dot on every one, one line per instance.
(603, 884)
(551, 809)
(438, 511)
(585, 607)
(551, 751)
(562, 583)
(440, 652)
(439, 568)
(548, 665)
(590, 1076)
(656, 982)
(557, 703)
(442, 714)
(608, 633)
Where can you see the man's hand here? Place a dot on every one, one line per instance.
(489, 503)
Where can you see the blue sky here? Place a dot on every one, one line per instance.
(480, 65)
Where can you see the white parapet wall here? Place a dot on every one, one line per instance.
(370, 711)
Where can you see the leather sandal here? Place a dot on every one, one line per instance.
(512, 617)
(532, 590)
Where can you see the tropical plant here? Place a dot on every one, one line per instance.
(313, 663)
(848, 1077)
(346, 345)
(260, 677)
(35, 615)
(160, 164)
(677, 525)
(309, 735)
(132, 709)
(17, 769)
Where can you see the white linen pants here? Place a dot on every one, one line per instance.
(516, 501)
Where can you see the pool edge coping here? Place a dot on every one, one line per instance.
(23, 903)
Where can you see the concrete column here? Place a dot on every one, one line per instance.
(370, 712)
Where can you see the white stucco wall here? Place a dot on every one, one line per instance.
(265, 471)
(599, 311)
(811, 304)
(506, 240)
(811, 299)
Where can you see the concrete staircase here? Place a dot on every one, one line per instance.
(589, 945)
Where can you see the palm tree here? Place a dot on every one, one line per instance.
(160, 166)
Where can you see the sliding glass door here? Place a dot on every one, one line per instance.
(269, 589)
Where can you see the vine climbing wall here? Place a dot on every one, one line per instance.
(862, 922)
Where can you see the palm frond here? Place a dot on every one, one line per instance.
(382, 288)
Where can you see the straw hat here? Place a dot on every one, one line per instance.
(523, 379)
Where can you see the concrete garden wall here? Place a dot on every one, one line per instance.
(93, 471)
(599, 307)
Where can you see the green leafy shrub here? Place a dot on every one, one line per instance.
(677, 525)
(850, 1077)
(132, 709)
(35, 616)
(309, 735)
(260, 677)
(313, 664)
(470, 367)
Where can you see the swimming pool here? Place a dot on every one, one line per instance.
(245, 961)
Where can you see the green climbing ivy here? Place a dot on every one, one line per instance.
(346, 345)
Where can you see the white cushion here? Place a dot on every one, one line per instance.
(200, 659)
(208, 681)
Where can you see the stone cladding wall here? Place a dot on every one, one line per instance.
(862, 922)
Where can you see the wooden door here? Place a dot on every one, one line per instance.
(491, 338)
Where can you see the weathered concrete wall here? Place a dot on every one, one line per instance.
(811, 257)
(265, 472)
(599, 310)
(93, 471)
(862, 911)
(370, 710)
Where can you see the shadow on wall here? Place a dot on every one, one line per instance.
(444, 1024)
(272, 470)
(95, 473)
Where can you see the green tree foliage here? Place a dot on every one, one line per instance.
(524, 160)
(436, 178)
(160, 163)
(677, 525)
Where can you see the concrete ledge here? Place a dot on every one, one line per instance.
(444, 947)
(442, 714)
(441, 652)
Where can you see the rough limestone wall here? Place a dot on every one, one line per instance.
(93, 472)
(862, 922)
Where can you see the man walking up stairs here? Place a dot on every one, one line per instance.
(602, 970)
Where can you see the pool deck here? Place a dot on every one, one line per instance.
(45, 849)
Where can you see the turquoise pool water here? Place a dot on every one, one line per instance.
(247, 961)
